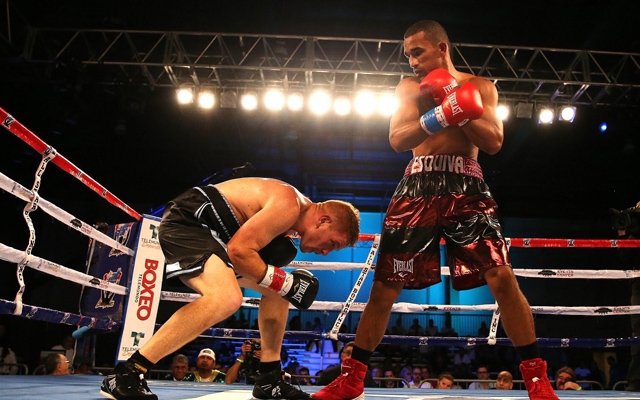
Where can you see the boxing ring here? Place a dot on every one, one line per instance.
(76, 387)
(87, 386)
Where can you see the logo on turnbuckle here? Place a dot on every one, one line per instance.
(8, 121)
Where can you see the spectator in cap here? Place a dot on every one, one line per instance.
(206, 372)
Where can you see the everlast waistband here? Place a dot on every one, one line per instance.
(444, 163)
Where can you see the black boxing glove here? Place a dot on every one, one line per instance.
(279, 252)
(299, 287)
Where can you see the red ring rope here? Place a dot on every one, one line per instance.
(21, 131)
(536, 242)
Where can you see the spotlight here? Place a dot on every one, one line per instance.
(503, 112)
(342, 106)
(545, 116)
(295, 101)
(365, 103)
(320, 102)
(603, 127)
(206, 100)
(387, 104)
(249, 101)
(274, 100)
(185, 96)
(566, 113)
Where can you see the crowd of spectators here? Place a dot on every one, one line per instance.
(478, 368)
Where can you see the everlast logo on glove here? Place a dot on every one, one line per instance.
(302, 288)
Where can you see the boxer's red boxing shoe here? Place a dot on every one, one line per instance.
(534, 374)
(348, 386)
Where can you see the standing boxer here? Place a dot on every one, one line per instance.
(444, 117)
(219, 238)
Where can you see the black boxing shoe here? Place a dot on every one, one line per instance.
(272, 386)
(127, 383)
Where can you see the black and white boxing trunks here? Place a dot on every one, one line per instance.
(196, 225)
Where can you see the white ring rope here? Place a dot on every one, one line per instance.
(12, 255)
(402, 307)
(525, 273)
(25, 194)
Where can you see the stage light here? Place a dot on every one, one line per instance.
(365, 103)
(274, 100)
(342, 105)
(387, 104)
(545, 116)
(206, 99)
(295, 101)
(320, 102)
(249, 101)
(502, 112)
(185, 96)
(566, 113)
(603, 127)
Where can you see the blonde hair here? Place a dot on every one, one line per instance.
(346, 216)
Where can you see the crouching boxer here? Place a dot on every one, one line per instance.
(219, 238)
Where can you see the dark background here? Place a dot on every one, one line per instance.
(556, 181)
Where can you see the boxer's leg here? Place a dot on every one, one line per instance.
(272, 320)
(221, 297)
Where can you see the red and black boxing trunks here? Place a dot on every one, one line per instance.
(196, 225)
(441, 196)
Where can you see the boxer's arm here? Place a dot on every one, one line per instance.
(279, 212)
(486, 132)
(405, 132)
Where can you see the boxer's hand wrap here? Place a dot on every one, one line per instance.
(279, 252)
(299, 287)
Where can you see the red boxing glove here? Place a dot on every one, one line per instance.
(437, 84)
(459, 105)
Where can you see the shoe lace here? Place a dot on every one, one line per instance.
(135, 380)
(539, 386)
(289, 387)
(143, 384)
(339, 381)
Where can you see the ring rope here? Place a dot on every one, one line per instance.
(58, 317)
(526, 273)
(54, 316)
(25, 194)
(541, 242)
(14, 126)
(222, 333)
(356, 288)
(12, 255)
(31, 206)
(410, 308)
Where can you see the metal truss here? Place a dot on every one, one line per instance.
(250, 62)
